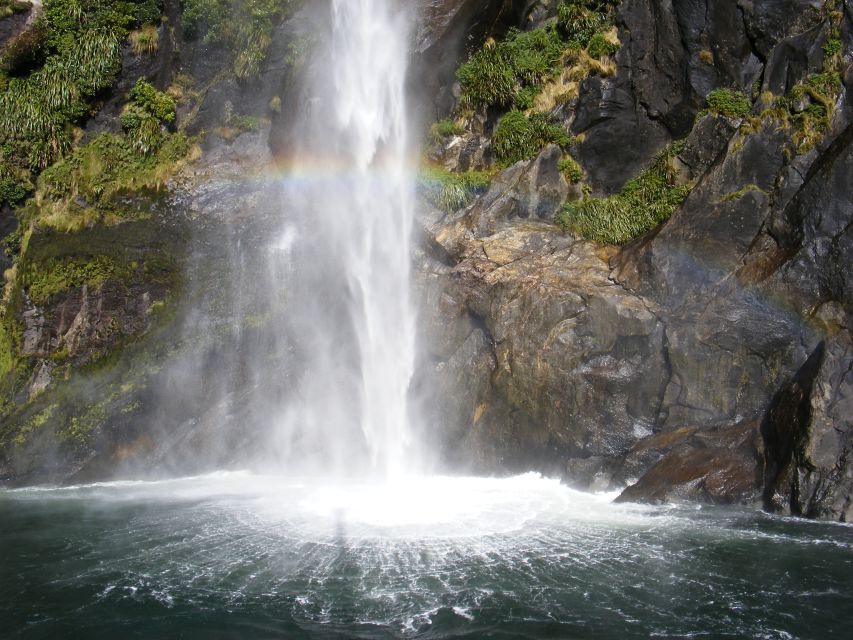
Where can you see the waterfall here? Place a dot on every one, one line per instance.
(351, 198)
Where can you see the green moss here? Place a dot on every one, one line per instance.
(451, 191)
(740, 193)
(45, 279)
(79, 428)
(644, 203)
(729, 103)
(8, 350)
(35, 423)
(79, 191)
(519, 137)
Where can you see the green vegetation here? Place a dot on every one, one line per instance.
(729, 103)
(35, 423)
(807, 111)
(452, 191)
(643, 204)
(11, 7)
(157, 103)
(497, 73)
(519, 137)
(512, 72)
(244, 26)
(45, 279)
(78, 191)
(599, 46)
(445, 129)
(740, 193)
(580, 20)
(570, 169)
(145, 40)
(52, 75)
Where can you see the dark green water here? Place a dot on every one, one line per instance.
(239, 556)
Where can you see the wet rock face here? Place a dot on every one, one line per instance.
(720, 466)
(685, 362)
(445, 29)
(567, 363)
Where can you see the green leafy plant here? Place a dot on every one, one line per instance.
(158, 104)
(644, 203)
(71, 54)
(729, 103)
(518, 137)
(599, 46)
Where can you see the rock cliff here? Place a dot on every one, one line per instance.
(699, 350)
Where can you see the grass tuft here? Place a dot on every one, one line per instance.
(729, 103)
(518, 137)
(644, 203)
(144, 41)
(449, 191)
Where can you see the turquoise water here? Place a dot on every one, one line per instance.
(241, 556)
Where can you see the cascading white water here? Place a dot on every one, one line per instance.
(356, 320)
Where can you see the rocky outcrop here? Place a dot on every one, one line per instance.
(687, 363)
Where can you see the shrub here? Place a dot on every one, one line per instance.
(599, 46)
(71, 54)
(729, 103)
(518, 137)
(644, 203)
(158, 104)
(13, 188)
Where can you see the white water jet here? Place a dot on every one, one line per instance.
(354, 322)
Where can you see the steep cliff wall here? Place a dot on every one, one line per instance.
(672, 358)
(633, 254)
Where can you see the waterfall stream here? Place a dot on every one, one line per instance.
(353, 316)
